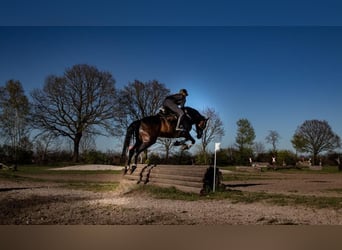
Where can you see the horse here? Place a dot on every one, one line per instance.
(147, 130)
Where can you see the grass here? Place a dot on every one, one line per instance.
(167, 193)
(336, 190)
(245, 177)
(88, 172)
(92, 186)
(247, 197)
(325, 170)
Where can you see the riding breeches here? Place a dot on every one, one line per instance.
(174, 107)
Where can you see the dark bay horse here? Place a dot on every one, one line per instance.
(146, 131)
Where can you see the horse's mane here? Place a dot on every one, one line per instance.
(193, 112)
(190, 109)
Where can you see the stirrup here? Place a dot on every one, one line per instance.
(179, 124)
(180, 129)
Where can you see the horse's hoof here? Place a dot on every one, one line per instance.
(132, 169)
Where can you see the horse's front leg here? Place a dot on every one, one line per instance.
(187, 146)
(188, 137)
(192, 140)
(179, 143)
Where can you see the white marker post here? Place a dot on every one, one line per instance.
(217, 147)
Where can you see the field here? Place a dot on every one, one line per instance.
(90, 195)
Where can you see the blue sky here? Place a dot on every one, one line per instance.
(275, 76)
(170, 12)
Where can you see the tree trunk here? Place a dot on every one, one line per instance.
(77, 147)
(167, 156)
(314, 158)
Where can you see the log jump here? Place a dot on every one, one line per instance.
(187, 178)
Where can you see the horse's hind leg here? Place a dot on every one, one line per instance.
(140, 149)
(131, 151)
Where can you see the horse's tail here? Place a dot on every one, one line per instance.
(132, 129)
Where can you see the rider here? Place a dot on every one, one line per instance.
(176, 103)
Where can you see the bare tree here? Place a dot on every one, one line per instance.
(138, 100)
(87, 143)
(44, 144)
(315, 136)
(83, 99)
(259, 148)
(213, 131)
(273, 138)
(167, 144)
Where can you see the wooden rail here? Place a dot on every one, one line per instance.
(187, 178)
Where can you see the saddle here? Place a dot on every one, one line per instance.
(167, 114)
(170, 116)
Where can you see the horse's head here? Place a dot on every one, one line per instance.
(199, 120)
(200, 127)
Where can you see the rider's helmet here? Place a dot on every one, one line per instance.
(183, 92)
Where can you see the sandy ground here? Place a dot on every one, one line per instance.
(49, 202)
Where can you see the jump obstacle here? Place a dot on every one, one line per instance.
(187, 178)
